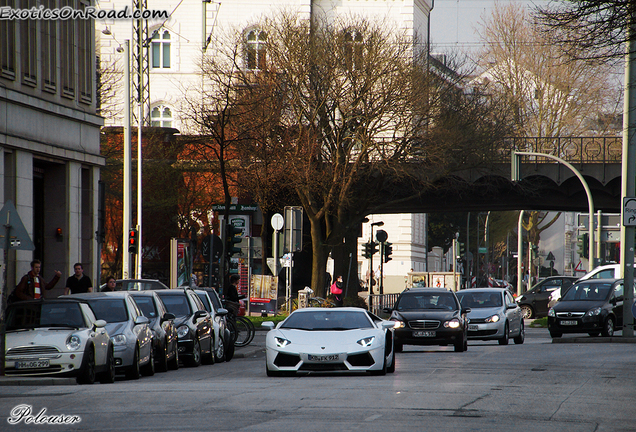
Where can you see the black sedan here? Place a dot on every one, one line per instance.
(194, 325)
(534, 302)
(163, 329)
(593, 306)
(429, 316)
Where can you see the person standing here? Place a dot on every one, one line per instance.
(79, 282)
(111, 284)
(232, 295)
(336, 291)
(31, 286)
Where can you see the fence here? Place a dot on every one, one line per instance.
(377, 302)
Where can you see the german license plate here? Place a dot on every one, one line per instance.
(423, 333)
(473, 327)
(32, 364)
(323, 358)
(568, 323)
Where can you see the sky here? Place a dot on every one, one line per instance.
(454, 23)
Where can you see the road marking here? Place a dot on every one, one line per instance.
(373, 417)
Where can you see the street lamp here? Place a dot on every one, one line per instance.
(371, 272)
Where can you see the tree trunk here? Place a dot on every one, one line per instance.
(319, 259)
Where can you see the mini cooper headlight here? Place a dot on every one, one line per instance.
(118, 340)
(551, 313)
(492, 319)
(399, 324)
(366, 341)
(281, 342)
(593, 312)
(73, 343)
(454, 323)
(183, 331)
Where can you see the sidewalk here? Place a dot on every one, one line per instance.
(255, 347)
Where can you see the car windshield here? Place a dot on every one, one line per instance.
(176, 304)
(590, 291)
(111, 310)
(147, 305)
(28, 316)
(479, 299)
(419, 301)
(327, 320)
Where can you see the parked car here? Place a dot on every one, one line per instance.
(493, 315)
(330, 339)
(217, 303)
(593, 306)
(429, 316)
(128, 329)
(534, 302)
(194, 325)
(164, 332)
(222, 336)
(608, 271)
(136, 285)
(58, 337)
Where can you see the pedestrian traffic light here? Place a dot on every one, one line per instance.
(583, 245)
(387, 250)
(232, 237)
(133, 241)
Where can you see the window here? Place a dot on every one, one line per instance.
(161, 116)
(256, 49)
(48, 35)
(7, 45)
(28, 45)
(354, 50)
(67, 53)
(85, 65)
(161, 50)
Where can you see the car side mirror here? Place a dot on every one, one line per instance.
(269, 325)
(141, 320)
(466, 310)
(222, 311)
(512, 306)
(199, 314)
(168, 316)
(99, 324)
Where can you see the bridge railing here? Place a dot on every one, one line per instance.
(575, 150)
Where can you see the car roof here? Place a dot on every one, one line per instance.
(100, 295)
(173, 291)
(613, 280)
(51, 300)
(484, 289)
(426, 289)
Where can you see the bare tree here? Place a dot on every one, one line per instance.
(549, 93)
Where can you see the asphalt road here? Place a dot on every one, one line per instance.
(574, 385)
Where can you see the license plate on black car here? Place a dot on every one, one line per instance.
(323, 358)
(473, 327)
(423, 333)
(568, 323)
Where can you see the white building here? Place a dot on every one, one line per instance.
(49, 136)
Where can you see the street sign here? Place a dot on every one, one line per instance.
(278, 222)
(629, 211)
(18, 237)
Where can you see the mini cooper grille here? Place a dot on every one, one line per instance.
(49, 370)
(33, 350)
(570, 314)
(286, 360)
(424, 324)
(364, 359)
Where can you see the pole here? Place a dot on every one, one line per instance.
(348, 274)
(599, 229)
(140, 116)
(519, 252)
(590, 200)
(126, 219)
(468, 267)
(381, 268)
(628, 181)
(4, 293)
(371, 272)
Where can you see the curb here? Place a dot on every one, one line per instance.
(36, 381)
(614, 339)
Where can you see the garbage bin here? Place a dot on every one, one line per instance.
(303, 297)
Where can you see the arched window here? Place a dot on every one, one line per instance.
(161, 50)
(354, 50)
(255, 41)
(161, 116)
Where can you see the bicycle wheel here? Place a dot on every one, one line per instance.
(249, 324)
(243, 333)
(232, 328)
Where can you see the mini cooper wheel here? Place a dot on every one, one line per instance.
(87, 373)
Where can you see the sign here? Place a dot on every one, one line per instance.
(483, 250)
(629, 212)
(13, 227)
(278, 222)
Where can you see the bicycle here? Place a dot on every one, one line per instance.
(241, 329)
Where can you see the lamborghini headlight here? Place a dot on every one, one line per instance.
(366, 342)
(281, 342)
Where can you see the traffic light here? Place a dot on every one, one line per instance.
(387, 250)
(370, 248)
(583, 245)
(133, 241)
(461, 249)
(231, 239)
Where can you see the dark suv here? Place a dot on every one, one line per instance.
(534, 302)
(429, 316)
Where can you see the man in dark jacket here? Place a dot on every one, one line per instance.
(32, 286)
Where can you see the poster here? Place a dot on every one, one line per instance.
(263, 294)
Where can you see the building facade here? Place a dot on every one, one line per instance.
(49, 137)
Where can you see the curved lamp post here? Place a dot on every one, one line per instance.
(516, 176)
